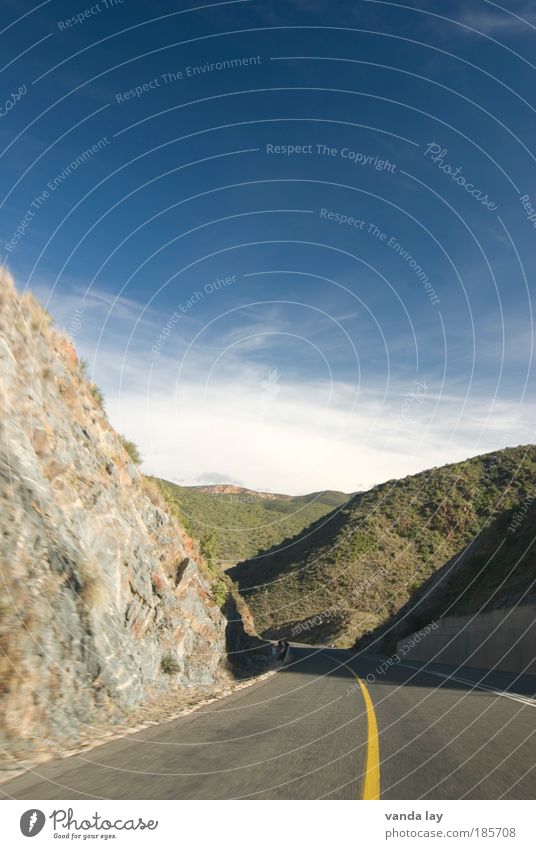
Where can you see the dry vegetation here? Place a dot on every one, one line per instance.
(367, 559)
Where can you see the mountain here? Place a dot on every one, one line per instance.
(237, 523)
(496, 570)
(241, 492)
(351, 572)
(103, 595)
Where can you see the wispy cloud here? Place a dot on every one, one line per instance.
(309, 436)
(494, 21)
(98, 303)
(261, 423)
(211, 478)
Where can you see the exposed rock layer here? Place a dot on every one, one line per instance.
(100, 590)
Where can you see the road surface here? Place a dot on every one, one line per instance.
(326, 726)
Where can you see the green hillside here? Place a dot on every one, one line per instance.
(357, 567)
(498, 569)
(237, 523)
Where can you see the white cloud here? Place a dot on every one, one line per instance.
(98, 306)
(250, 424)
(297, 443)
(500, 22)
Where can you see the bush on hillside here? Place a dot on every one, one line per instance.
(132, 450)
(220, 593)
(97, 394)
(169, 665)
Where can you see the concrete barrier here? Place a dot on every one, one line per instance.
(503, 639)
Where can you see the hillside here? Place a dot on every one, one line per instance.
(238, 523)
(102, 594)
(349, 573)
(241, 492)
(496, 570)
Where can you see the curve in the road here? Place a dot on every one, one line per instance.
(371, 783)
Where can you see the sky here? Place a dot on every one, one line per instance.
(294, 240)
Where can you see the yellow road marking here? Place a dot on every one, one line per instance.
(371, 787)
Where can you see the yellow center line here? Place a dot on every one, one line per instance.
(371, 786)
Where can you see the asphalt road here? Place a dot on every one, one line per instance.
(314, 731)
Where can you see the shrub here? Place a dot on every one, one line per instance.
(132, 450)
(97, 394)
(220, 593)
(208, 547)
(169, 665)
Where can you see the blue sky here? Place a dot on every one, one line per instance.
(293, 240)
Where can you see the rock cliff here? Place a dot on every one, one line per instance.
(101, 594)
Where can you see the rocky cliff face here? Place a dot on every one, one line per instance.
(100, 594)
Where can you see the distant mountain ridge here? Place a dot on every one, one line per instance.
(351, 571)
(238, 523)
(232, 489)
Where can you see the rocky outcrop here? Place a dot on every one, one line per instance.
(232, 489)
(101, 595)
